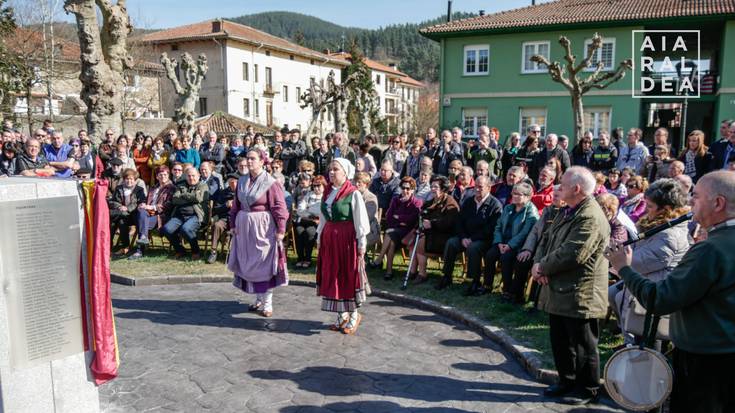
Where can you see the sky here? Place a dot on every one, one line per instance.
(158, 14)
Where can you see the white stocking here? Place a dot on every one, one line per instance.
(353, 319)
(268, 300)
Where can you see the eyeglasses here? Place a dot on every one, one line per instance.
(315, 186)
(517, 194)
(177, 170)
(406, 188)
(632, 186)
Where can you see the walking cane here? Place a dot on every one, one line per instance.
(419, 230)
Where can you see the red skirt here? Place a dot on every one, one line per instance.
(338, 278)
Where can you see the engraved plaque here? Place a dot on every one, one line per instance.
(39, 269)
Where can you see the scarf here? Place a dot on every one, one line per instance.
(237, 150)
(252, 189)
(645, 223)
(343, 191)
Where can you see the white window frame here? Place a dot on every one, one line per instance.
(596, 110)
(477, 48)
(544, 126)
(525, 58)
(593, 65)
(475, 114)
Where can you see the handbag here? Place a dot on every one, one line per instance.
(635, 321)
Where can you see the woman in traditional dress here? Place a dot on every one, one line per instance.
(258, 223)
(342, 237)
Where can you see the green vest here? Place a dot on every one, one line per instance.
(341, 210)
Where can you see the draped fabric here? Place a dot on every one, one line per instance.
(106, 358)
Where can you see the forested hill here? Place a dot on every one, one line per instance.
(415, 55)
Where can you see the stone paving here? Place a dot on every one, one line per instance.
(194, 347)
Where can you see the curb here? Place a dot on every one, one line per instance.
(524, 355)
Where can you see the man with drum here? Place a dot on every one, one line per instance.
(700, 296)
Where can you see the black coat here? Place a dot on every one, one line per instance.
(478, 224)
(543, 157)
(719, 151)
(702, 164)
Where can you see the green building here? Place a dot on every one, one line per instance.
(486, 77)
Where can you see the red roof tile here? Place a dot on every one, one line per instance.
(229, 30)
(584, 11)
(402, 77)
(29, 43)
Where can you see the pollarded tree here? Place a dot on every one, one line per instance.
(104, 60)
(577, 85)
(188, 93)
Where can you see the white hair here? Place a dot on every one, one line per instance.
(579, 175)
(721, 183)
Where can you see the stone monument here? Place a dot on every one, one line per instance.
(43, 365)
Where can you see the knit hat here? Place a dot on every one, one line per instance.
(347, 167)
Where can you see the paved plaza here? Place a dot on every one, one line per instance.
(194, 347)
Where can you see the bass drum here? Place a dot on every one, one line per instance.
(638, 379)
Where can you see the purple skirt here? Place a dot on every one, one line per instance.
(256, 258)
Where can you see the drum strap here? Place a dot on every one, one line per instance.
(650, 324)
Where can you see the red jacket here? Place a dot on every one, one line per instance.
(543, 198)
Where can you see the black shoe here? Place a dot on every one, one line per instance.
(471, 291)
(483, 291)
(557, 390)
(388, 276)
(580, 397)
(443, 283)
(372, 265)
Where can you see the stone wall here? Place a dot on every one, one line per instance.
(71, 124)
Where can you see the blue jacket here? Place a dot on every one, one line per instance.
(521, 225)
(188, 156)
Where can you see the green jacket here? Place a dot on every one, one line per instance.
(570, 255)
(196, 196)
(522, 223)
(699, 294)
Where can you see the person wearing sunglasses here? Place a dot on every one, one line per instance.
(401, 219)
(635, 206)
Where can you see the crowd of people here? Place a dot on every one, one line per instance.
(528, 209)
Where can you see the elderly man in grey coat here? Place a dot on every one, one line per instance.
(570, 266)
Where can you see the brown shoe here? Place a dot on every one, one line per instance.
(352, 330)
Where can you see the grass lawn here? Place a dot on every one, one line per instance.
(525, 325)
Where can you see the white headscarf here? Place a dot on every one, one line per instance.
(347, 166)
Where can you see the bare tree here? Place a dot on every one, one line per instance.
(427, 109)
(188, 95)
(576, 85)
(104, 58)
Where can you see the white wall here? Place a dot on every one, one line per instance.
(294, 74)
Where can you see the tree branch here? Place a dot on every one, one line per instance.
(170, 66)
(609, 77)
(591, 49)
(555, 70)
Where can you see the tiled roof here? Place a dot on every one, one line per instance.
(29, 43)
(402, 77)
(219, 29)
(584, 11)
(225, 124)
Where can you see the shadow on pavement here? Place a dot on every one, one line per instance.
(334, 381)
(211, 313)
(368, 406)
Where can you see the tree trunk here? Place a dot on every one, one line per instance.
(578, 113)
(104, 58)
